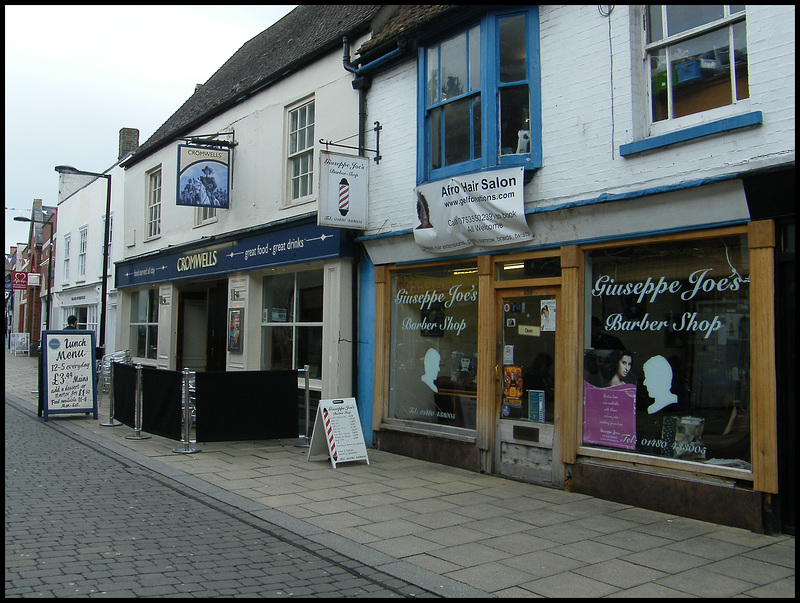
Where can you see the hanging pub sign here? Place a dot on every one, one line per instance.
(483, 210)
(203, 176)
(343, 191)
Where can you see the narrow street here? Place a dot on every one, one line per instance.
(81, 523)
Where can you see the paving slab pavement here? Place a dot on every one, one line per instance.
(451, 531)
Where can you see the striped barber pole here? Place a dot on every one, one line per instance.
(344, 196)
(329, 431)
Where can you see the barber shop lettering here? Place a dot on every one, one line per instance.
(650, 289)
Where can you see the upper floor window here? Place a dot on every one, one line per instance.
(205, 215)
(301, 151)
(692, 68)
(481, 99)
(67, 240)
(82, 246)
(154, 204)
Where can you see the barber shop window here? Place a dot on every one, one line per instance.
(433, 345)
(697, 56)
(667, 364)
(291, 322)
(481, 96)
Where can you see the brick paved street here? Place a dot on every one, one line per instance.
(80, 523)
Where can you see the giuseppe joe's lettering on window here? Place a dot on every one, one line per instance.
(427, 298)
(699, 281)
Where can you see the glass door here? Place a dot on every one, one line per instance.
(527, 437)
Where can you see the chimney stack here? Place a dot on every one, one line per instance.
(128, 141)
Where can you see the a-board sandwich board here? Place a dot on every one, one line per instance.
(337, 432)
(69, 373)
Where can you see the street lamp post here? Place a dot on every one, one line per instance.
(49, 224)
(66, 169)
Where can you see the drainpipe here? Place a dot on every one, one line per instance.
(361, 83)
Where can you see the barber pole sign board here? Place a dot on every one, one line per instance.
(337, 432)
(343, 191)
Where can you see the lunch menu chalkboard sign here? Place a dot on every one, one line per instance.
(69, 374)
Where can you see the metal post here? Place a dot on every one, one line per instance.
(304, 443)
(137, 433)
(111, 421)
(187, 416)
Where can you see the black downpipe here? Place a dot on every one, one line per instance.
(362, 84)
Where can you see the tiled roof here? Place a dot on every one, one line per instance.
(296, 40)
(407, 18)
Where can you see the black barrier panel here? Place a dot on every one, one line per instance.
(161, 402)
(246, 405)
(125, 394)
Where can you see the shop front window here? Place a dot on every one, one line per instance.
(666, 372)
(434, 345)
(291, 331)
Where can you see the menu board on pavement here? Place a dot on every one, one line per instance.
(69, 375)
(337, 432)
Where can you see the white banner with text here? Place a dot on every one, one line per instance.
(484, 210)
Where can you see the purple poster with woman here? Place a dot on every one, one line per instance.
(609, 415)
(609, 398)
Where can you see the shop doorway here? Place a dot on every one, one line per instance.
(527, 442)
(202, 327)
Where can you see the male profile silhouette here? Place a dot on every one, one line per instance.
(432, 359)
(658, 380)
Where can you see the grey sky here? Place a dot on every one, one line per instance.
(75, 75)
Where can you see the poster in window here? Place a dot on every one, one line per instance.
(609, 399)
(203, 174)
(235, 323)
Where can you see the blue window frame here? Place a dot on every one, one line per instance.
(479, 97)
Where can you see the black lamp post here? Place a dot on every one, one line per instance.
(69, 170)
(49, 224)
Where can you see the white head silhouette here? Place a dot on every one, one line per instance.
(658, 380)
(432, 359)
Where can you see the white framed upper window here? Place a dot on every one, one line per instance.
(83, 237)
(300, 156)
(154, 203)
(205, 215)
(691, 66)
(67, 241)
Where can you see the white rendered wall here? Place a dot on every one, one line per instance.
(580, 135)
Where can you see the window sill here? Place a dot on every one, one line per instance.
(727, 124)
(446, 432)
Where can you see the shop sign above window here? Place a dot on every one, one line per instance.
(484, 210)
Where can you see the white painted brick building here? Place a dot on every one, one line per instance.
(663, 155)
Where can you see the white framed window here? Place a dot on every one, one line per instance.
(291, 321)
(82, 247)
(67, 240)
(300, 145)
(144, 323)
(691, 66)
(154, 203)
(205, 215)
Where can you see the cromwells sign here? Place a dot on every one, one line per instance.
(483, 210)
(203, 174)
